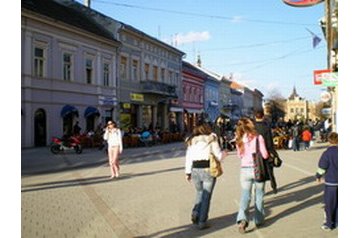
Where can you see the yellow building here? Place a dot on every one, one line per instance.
(298, 108)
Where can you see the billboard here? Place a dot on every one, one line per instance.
(302, 3)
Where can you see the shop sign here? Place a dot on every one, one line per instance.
(331, 80)
(302, 3)
(319, 75)
(137, 97)
(107, 100)
(126, 106)
(325, 96)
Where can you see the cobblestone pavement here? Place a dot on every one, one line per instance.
(152, 199)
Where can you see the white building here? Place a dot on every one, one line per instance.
(68, 71)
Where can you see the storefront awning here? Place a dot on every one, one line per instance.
(194, 110)
(91, 111)
(68, 110)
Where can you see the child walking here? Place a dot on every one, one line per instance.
(328, 167)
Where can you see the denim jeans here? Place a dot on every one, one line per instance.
(247, 180)
(204, 184)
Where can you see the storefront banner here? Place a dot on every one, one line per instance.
(137, 97)
(176, 109)
(194, 110)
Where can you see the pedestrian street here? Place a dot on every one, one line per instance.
(151, 198)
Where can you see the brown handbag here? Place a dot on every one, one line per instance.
(215, 165)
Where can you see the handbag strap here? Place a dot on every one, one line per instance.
(257, 145)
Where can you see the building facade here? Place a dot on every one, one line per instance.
(150, 81)
(225, 97)
(193, 96)
(68, 72)
(297, 108)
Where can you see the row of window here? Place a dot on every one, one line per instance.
(151, 72)
(297, 110)
(40, 61)
(193, 94)
(157, 74)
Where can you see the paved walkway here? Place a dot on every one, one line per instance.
(152, 199)
(41, 160)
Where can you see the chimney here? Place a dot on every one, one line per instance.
(87, 3)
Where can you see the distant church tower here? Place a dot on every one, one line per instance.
(293, 94)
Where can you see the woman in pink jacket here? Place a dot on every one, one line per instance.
(246, 137)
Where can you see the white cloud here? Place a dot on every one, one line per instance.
(190, 37)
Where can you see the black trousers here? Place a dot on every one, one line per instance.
(331, 206)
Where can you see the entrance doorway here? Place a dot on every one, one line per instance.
(40, 127)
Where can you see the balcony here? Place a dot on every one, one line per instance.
(153, 87)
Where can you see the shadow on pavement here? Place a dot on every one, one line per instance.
(89, 181)
(189, 230)
(304, 198)
(66, 183)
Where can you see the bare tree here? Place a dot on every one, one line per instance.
(276, 104)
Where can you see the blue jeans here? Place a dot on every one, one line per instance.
(247, 180)
(204, 184)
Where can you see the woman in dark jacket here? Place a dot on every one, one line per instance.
(263, 128)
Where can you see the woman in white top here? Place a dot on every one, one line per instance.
(113, 136)
(197, 164)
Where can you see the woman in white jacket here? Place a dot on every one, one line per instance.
(197, 164)
(113, 136)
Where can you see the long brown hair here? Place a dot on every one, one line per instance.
(244, 125)
(203, 129)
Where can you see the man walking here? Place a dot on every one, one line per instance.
(263, 128)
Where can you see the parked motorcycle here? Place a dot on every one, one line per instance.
(61, 144)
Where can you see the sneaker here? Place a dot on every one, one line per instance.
(242, 227)
(325, 228)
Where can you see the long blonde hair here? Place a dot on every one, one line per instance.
(244, 125)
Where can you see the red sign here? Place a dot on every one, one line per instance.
(319, 75)
(302, 3)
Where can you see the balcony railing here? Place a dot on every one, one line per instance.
(153, 87)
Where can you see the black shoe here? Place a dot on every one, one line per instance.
(194, 219)
(274, 190)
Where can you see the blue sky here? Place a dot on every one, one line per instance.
(263, 44)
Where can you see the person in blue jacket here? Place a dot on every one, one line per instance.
(328, 167)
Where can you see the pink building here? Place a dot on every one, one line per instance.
(193, 95)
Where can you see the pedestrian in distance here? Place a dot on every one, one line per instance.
(246, 138)
(199, 146)
(296, 137)
(263, 128)
(306, 137)
(76, 129)
(328, 167)
(113, 136)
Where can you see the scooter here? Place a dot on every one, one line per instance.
(72, 143)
